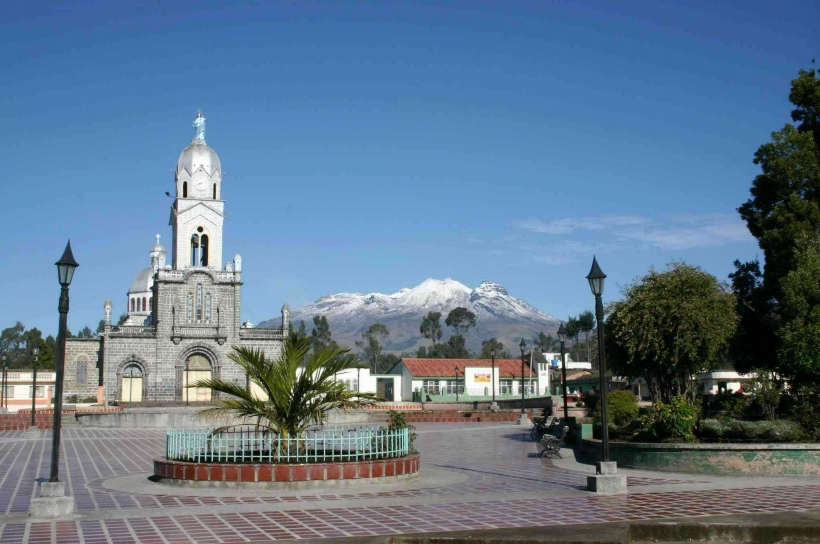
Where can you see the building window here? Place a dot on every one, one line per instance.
(208, 307)
(9, 392)
(203, 260)
(355, 385)
(184, 189)
(41, 391)
(190, 307)
(133, 303)
(214, 191)
(82, 372)
(431, 387)
(505, 387)
(199, 302)
(144, 304)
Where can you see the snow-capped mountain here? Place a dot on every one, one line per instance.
(497, 313)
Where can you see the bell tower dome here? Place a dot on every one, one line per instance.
(198, 211)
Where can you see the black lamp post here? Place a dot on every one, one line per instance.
(456, 384)
(596, 278)
(522, 345)
(562, 337)
(4, 401)
(65, 272)
(35, 351)
(492, 376)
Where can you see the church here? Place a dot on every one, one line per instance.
(183, 316)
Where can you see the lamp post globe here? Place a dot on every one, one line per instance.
(65, 273)
(562, 337)
(522, 345)
(596, 279)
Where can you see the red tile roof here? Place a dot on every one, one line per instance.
(445, 368)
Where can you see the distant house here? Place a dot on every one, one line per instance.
(439, 379)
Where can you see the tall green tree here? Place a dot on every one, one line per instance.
(670, 326)
(544, 341)
(431, 328)
(294, 398)
(320, 336)
(372, 344)
(301, 332)
(586, 324)
(487, 349)
(86, 332)
(461, 320)
(783, 209)
(573, 329)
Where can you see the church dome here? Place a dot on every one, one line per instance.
(142, 282)
(197, 155)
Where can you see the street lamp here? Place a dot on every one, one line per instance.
(492, 376)
(596, 279)
(35, 351)
(562, 337)
(522, 345)
(456, 383)
(65, 272)
(4, 401)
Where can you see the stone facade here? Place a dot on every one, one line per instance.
(82, 367)
(194, 315)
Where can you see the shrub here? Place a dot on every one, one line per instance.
(622, 408)
(733, 430)
(673, 422)
(398, 420)
(734, 404)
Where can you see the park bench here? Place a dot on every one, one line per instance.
(552, 443)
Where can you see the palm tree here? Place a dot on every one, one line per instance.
(293, 396)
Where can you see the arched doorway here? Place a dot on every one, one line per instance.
(197, 368)
(132, 383)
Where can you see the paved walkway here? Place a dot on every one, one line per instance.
(474, 476)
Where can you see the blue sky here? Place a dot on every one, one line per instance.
(368, 146)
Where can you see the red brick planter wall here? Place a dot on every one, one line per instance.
(42, 418)
(461, 417)
(353, 470)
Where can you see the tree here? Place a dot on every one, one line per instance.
(386, 362)
(586, 324)
(292, 399)
(784, 208)
(121, 321)
(301, 332)
(431, 327)
(460, 319)
(573, 328)
(544, 341)
(487, 349)
(100, 327)
(670, 326)
(13, 343)
(371, 344)
(85, 333)
(456, 348)
(320, 335)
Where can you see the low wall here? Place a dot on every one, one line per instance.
(752, 459)
(188, 418)
(218, 474)
(509, 404)
(452, 416)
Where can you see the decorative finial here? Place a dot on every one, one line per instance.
(157, 239)
(199, 125)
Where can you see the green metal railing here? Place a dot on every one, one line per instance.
(315, 446)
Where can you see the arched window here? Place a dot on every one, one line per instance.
(214, 191)
(199, 302)
(190, 307)
(133, 304)
(195, 250)
(203, 250)
(184, 189)
(82, 370)
(208, 307)
(144, 306)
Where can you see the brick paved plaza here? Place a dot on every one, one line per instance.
(474, 476)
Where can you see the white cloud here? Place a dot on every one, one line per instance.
(570, 239)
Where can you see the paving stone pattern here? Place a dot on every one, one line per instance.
(501, 486)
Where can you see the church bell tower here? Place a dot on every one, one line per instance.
(198, 211)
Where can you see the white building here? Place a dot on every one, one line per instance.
(19, 390)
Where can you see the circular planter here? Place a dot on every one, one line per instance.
(754, 459)
(286, 476)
